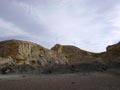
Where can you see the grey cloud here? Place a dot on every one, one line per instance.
(84, 23)
(21, 18)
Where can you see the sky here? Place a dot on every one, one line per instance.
(91, 25)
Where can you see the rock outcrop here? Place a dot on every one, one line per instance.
(113, 53)
(21, 51)
(27, 53)
(23, 56)
(73, 54)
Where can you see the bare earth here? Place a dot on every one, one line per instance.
(95, 81)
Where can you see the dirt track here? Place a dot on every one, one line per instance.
(61, 82)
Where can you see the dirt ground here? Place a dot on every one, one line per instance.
(81, 81)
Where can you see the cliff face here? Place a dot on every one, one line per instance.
(23, 52)
(114, 50)
(21, 49)
(113, 53)
(17, 56)
(73, 54)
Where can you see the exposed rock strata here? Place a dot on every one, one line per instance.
(17, 55)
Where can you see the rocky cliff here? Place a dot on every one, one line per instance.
(73, 54)
(24, 53)
(18, 56)
(113, 53)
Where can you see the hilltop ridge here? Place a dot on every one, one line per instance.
(15, 54)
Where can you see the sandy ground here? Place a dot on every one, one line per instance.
(95, 81)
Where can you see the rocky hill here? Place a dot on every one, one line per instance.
(113, 53)
(73, 54)
(17, 56)
(23, 52)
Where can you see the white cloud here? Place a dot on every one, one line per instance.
(78, 22)
(75, 24)
(9, 29)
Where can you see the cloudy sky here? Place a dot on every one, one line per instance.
(89, 24)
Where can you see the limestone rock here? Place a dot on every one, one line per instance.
(24, 52)
(24, 56)
(73, 54)
(113, 53)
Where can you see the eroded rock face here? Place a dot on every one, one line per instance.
(19, 56)
(23, 52)
(114, 50)
(20, 49)
(113, 53)
(73, 54)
